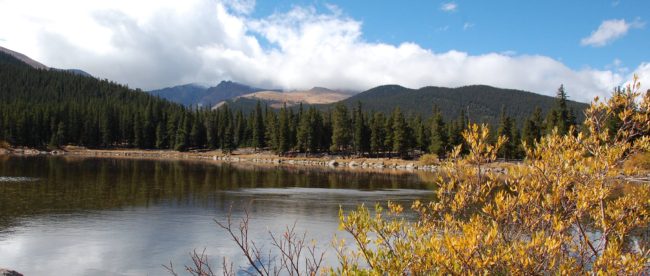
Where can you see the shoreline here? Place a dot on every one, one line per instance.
(240, 156)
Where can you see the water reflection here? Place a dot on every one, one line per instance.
(119, 216)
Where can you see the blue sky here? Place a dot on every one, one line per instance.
(552, 28)
(589, 46)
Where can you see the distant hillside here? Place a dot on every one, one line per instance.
(276, 99)
(37, 65)
(480, 102)
(193, 94)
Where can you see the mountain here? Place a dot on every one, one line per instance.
(276, 99)
(194, 94)
(481, 103)
(228, 90)
(37, 65)
(188, 94)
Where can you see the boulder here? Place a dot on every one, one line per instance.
(332, 163)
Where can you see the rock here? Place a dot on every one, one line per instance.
(353, 164)
(7, 272)
(332, 163)
(410, 166)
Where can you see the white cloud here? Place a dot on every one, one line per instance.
(609, 31)
(468, 25)
(449, 7)
(154, 43)
(240, 6)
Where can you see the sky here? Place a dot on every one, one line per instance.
(590, 46)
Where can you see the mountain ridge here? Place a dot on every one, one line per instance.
(37, 65)
(480, 103)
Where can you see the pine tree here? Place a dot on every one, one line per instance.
(388, 138)
(361, 139)
(148, 128)
(341, 128)
(271, 133)
(197, 132)
(228, 144)
(105, 128)
(173, 124)
(517, 150)
(454, 132)
(420, 134)
(400, 135)
(58, 137)
(258, 128)
(240, 129)
(161, 136)
(182, 134)
(438, 134)
(377, 133)
(284, 142)
(211, 131)
(317, 130)
(303, 135)
(560, 116)
(533, 127)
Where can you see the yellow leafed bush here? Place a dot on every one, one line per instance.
(638, 163)
(556, 213)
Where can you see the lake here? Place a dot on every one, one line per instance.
(86, 216)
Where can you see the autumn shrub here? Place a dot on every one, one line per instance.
(429, 159)
(555, 213)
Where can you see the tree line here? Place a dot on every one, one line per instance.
(41, 108)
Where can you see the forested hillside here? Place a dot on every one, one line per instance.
(50, 107)
(481, 103)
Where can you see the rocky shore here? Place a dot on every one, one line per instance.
(237, 157)
(250, 157)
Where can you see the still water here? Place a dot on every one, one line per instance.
(84, 216)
